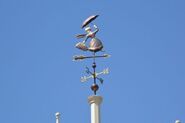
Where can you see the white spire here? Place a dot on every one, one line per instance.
(95, 102)
(57, 117)
(177, 121)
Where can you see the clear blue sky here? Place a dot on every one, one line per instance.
(146, 39)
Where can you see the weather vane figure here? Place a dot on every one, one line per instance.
(95, 45)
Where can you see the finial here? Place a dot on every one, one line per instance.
(177, 121)
(95, 45)
(57, 114)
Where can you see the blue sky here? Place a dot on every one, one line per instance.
(147, 66)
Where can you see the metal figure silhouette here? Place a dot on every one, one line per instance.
(95, 44)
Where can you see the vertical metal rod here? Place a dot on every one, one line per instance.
(94, 71)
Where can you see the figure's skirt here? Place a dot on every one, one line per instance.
(95, 45)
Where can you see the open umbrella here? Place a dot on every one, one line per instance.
(89, 20)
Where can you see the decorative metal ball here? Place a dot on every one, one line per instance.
(94, 87)
(94, 65)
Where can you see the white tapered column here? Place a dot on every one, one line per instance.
(177, 121)
(95, 102)
(57, 117)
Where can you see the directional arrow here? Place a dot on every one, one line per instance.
(85, 78)
(82, 57)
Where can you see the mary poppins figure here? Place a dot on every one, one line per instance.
(95, 44)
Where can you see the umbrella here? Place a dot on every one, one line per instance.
(89, 20)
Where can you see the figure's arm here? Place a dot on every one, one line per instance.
(96, 29)
(80, 35)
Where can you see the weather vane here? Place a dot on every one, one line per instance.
(95, 45)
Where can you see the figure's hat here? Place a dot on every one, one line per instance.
(87, 28)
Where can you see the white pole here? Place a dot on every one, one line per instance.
(95, 102)
(57, 117)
